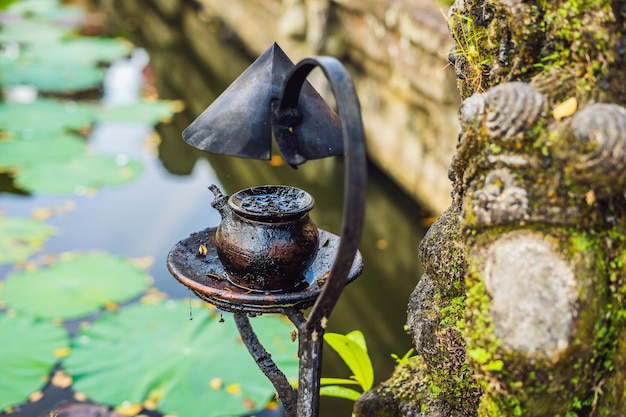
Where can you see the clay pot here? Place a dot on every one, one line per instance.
(266, 240)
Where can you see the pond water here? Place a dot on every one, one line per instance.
(171, 200)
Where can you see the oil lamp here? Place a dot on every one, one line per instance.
(267, 256)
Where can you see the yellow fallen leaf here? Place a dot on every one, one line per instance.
(61, 379)
(153, 296)
(249, 404)
(143, 262)
(42, 213)
(111, 306)
(202, 250)
(80, 397)
(62, 352)
(216, 384)
(565, 109)
(150, 404)
(233, 389)
(35, 396)
(590, 197)
(128, 409)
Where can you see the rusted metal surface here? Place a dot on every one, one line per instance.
(264, 360)
(266, 240)
(206, 277)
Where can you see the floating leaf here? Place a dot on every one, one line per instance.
(145, 111)
(45, 115)
(43, 9)
(565, 109)
(28, 31)
(353, 350)
(57, 146)
(191, 368)
(20, 238)
(85, 51)
(74, 287)
(78, 174)
(50, 76)
(27, 352)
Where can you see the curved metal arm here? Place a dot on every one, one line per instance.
(285, 118)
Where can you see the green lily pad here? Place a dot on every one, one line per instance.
(57, 146)
(28, 32)
(78, 174)
(29, 350)
(145, 111)
(74, 287)
(45, 115)
(153, 354)
(51, 77)
(20, 238)
(88, 51)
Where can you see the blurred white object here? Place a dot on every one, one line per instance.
(22, 94)
(123, 79)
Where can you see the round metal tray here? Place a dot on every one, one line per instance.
(207, 278)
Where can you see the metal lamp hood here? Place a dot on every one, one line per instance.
(239, 122)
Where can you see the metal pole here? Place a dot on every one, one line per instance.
(310, 346)
(285, 392)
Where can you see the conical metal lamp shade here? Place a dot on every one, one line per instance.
(238, 122)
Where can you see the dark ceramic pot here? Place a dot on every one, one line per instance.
(266, 240)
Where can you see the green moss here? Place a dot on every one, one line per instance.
(580, 41)
(515, 384)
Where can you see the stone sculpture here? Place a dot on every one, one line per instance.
(521, 310)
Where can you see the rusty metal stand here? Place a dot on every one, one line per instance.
(286, 116)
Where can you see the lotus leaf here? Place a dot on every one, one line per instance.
(56, 146)
(78, 174)
(20, 238)
(27, 31)
(51, 77)
(74, 287)
(153, 354)
(145, 111)
(34, 7)
(87, 51)
(29, 350)
(45, 115)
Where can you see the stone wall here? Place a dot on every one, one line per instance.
(394, 49)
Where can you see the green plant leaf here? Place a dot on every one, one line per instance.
(45, 115)
(50, 76)
(74, 287)
(81, 51)
(28, 31)
(353, 350)
(78, 174)
(144, 111)
(57, 146)
(357, 337)
(190, 368)
(340, 392)
(335, 381)
(29, 350)
(20, 238)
